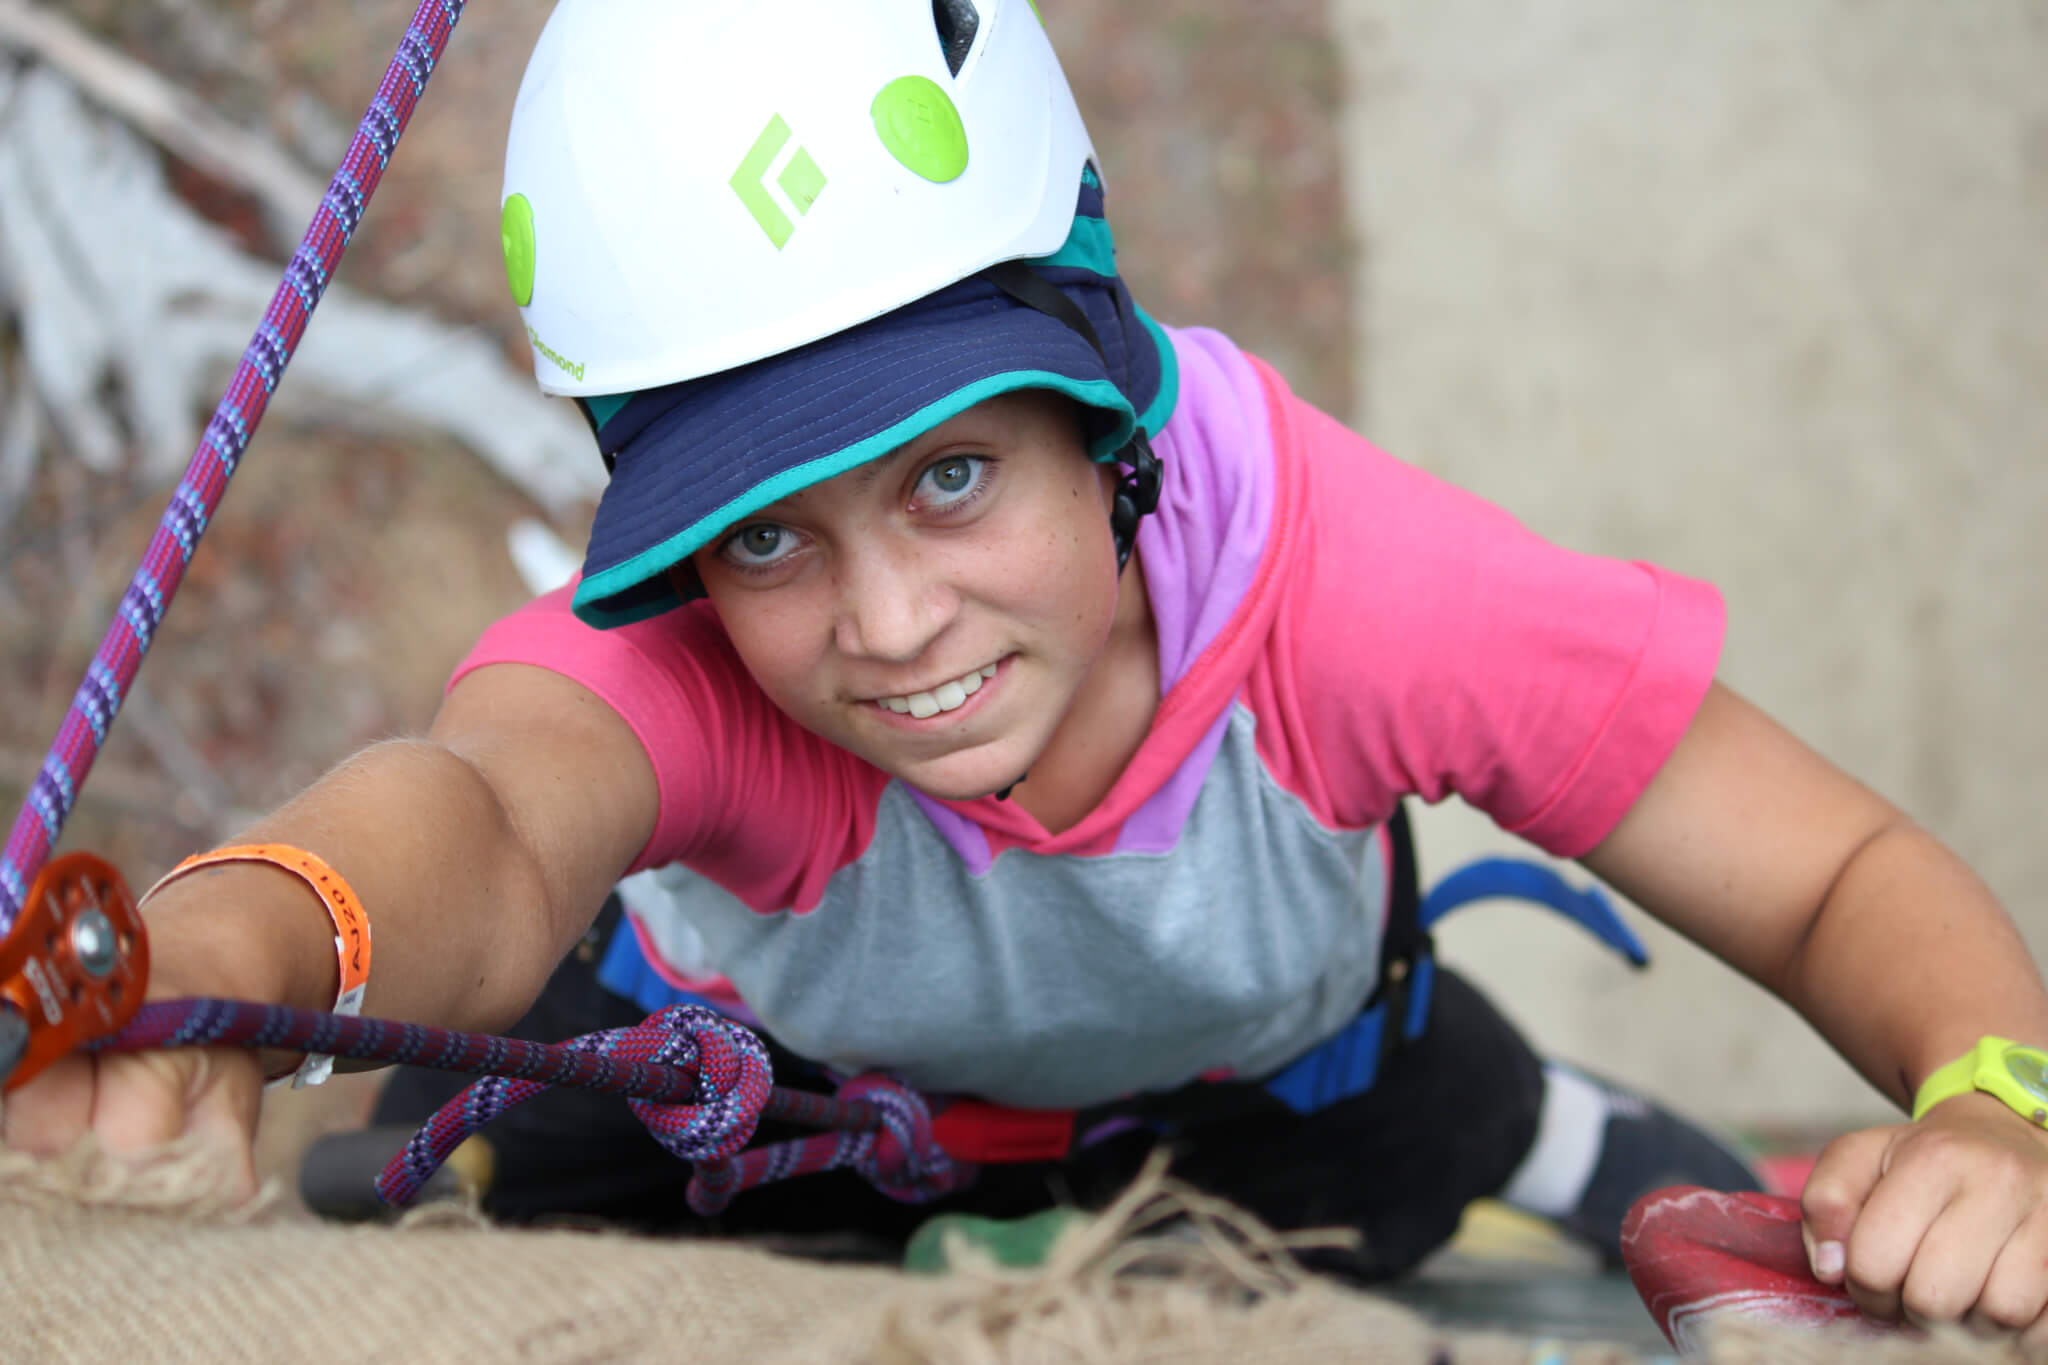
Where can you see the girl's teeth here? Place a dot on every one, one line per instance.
(944, 697)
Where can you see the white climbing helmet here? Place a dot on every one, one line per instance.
(694, 184)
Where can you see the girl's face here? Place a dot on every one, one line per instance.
(940, 611)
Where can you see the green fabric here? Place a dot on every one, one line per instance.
(1017, 1243)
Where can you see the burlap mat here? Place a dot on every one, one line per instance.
(122, 1261)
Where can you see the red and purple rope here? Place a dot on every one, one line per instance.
(115, 664)
(699, 1082)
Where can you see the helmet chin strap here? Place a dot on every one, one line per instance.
(1138, 493)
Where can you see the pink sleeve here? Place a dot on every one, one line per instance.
(747, 797)
(1432, 645)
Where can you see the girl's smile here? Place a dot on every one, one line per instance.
(946, 699)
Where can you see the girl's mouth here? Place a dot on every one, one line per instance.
(947, 696)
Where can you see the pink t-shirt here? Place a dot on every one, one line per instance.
(1337, 630)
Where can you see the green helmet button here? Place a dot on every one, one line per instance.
(921, 128)
(515, 234)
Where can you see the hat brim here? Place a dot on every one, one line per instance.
(693, 459)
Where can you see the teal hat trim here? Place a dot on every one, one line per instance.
(592, 608)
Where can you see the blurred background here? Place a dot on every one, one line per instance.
(1755, 290)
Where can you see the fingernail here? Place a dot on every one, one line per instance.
(1827, 1261)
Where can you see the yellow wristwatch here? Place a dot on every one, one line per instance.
(1997, 1066)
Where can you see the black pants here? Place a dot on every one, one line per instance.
(1449, 1120)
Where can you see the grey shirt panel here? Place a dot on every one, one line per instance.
(1054, 981)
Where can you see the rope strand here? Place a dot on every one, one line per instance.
(700, 1083)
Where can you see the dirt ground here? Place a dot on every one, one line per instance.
(346, 574)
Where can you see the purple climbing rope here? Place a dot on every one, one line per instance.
(119, 657)
(898, 1155)
(884, 1127)
(242, 1023)
(699, 1082)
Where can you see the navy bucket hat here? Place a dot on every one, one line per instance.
(690, 460)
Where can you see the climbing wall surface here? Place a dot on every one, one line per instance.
(1755, 291)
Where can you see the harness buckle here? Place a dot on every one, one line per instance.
(73, 969)
(1403, 995)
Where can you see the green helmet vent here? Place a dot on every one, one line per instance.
(921, 128)
(515, 235)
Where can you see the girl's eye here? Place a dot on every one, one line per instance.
(949, 481)
(758, 546)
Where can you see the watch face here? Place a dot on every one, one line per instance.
(2030, 1068)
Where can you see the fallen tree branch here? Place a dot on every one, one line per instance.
(169, 115)
(21, 439)
(134, 310)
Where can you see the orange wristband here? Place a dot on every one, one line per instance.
(351, 925)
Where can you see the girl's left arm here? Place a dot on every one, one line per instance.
(1764, 853)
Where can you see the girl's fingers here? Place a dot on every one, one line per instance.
(137, 1101)
(147, 1099)
(141, 1098)
(1889, 1229)
(1954, 1260)
(225, 1106)
(49, 1113)
(2016, 1290)
(1845, 1173)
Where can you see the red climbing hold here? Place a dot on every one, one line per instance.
(1698, 1255)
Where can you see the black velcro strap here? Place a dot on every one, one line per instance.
(1033, 290)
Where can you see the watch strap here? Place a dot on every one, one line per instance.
(1958, 1077)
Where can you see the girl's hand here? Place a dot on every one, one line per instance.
(138, 1100)
(1943, 1220)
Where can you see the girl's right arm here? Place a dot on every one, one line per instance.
(479, 853)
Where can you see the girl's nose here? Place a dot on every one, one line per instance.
(893, 603)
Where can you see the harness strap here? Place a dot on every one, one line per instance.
(1348, 1062)
(979, 1132)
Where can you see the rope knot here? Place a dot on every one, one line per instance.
(733, 1080)
(902, 1158)
(882, 1128)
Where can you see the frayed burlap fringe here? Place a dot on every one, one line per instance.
(179, 1180)
(1169, 1274)
(109, 1259)
(1753, 1343)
